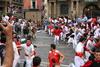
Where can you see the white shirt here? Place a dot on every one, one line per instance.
(78, 35)
(15, 50)
(80, 47)
(65, 20)
(89, 44)
(6, 18)
(28, 49)
(66, 30)
(97, 33)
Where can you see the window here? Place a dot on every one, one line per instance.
(63, 9)
(33, 4)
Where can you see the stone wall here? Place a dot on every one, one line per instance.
(34, 15)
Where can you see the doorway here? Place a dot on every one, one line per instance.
(91, 10)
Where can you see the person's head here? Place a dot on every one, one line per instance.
(56, 27)
(53, 46)
(83, 39)
(97, 53)
(36, 61)
(28, 42)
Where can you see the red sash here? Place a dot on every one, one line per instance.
(79, 54)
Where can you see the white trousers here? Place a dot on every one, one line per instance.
(50, 33)
(29, 62)
(45, 28)
(75, 43)
(70, 40)
(78, 61)
(16, 59)
(87, 55)
(56, 39)
(61, 36)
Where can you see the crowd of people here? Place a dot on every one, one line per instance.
(15, 34)
(82, 33)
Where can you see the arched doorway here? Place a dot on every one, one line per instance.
(91, 10)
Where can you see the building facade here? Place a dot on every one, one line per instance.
(33, 10)
(8, 6)
(3, 5)
(71, 8)
(32, 4)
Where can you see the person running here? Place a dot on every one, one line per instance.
(55, 57)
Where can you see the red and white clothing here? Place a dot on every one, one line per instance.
(18, 44)
(89, 46)
(79, 55)
(50, 28)
(56, 35)
(29, 54)
(54, 57)
(65, 31)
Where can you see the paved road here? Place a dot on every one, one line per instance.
(43, 42)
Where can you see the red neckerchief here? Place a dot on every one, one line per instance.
(87, 64)
(90, 39)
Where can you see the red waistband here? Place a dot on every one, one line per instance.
(97, 61)
(79, 54)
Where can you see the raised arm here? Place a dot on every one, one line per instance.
(8, 60)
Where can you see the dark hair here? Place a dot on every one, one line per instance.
(3, 38)
(97, 49)
(29, 37)
(36, 61)
(53, 46)
(82, 39)
(56, 27)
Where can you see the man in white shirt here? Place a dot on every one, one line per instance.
(79, 53)
(29, 53)
(89, 45)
